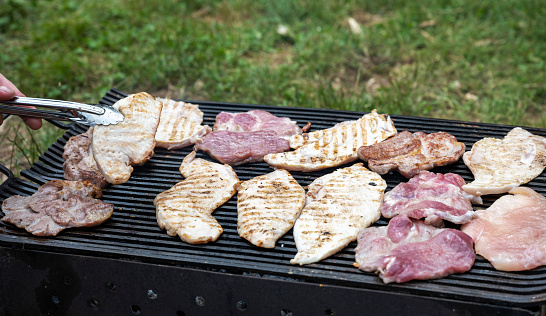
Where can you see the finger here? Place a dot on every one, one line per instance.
(6, 93)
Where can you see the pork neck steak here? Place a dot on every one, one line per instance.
(57, 205)
(79, 164)
(433, 196)
(408, 249)
(412, 153)
(256, 120)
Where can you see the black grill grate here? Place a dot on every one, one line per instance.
(132, 233)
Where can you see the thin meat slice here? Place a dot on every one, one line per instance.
(256, 120)
(186, 208)
(433, 196)
(268, 206)
(236, 148)
(79, 164)
(408, 249)
(57, 205)
(116, 148)
(179, 125)
(337, 207)
(499, 165)
(412, 153)
(511, 233)
(334, 146)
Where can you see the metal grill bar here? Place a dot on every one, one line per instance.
(133, 233)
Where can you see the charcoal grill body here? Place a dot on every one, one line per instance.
(128, 266)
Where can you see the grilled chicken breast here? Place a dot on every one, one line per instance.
(185, 209)
(116, 148)
(334, 146)
(180, 124)
(499, 165)
(268, 206)
(338, 206)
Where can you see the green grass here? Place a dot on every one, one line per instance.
(468, 60)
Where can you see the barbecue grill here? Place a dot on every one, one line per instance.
(129, 266)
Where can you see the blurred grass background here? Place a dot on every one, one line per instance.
(456, 59)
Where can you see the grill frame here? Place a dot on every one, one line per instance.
(132, 233)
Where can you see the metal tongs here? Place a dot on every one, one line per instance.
(98, 114)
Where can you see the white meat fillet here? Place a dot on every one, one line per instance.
(499, 165)
(180, 124)
(186, 208)
(268, 206)
(338, 206)
(511, 233)
(116, 148)
(334, 146)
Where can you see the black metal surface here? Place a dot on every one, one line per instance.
(133, 234)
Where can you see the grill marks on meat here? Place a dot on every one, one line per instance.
(116, 148)
(511, 233)
(432, 196)
(57, 205)
(179, 125)
(334, 146)
(408, 250)
(499, 165)
(412, 153)
(256, 120)
(268, 206)
(79, 163)
(236, 148)
(185, 209)
(338, 205)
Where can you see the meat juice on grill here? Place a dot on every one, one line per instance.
(57, 205)
(408, 249)
(433, 196)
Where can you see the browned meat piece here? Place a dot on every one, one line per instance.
(57, 205)
(412, 153)
(256, 120)
(79, 163)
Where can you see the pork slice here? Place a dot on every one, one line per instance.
(186, 208)
(412, 153)
(432, 196)
(334, 146)
(268, 206)
(179, 124)
(338, 205)
(57, 205)
(511, 233)
(117, 148)
(79, 164)
(256, 120)
(408, 249)
(235, 148)
(499, 165)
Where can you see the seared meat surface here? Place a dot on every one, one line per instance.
(499, 165)
(338, 205)
(57, 205)
(179, 125)
(79, 163)
(186, 208)
(408, 249)
(334, 146)
(412, 153)
(256, 120)
(116, 148)
(268, 206)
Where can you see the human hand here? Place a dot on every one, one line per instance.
(8, 91)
